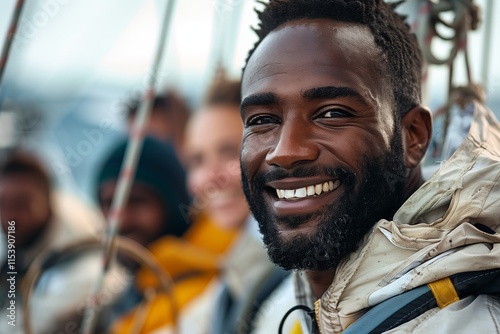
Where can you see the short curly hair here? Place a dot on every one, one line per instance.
(399, 47)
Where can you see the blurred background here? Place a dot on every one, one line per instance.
(74, 65)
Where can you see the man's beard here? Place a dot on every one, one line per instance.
(342, 225)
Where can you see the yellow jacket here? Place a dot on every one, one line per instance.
(192, 261)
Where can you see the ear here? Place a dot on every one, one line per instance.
(417, 131)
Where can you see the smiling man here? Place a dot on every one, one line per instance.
(334, 134)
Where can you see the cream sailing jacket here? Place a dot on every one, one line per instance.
(432, 237)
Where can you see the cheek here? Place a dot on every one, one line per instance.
(149, 217)
(202, 181)
(197, 178)
(253, 155)
(38, 209)
(352, 147)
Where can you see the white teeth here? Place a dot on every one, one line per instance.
(325, 187)
(312, 190)
(301, 193)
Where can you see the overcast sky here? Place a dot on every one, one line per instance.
(70, 46)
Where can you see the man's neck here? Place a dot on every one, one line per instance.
(320, 281)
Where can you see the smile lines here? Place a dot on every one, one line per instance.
(312, 190)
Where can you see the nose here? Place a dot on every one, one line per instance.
(295, 145)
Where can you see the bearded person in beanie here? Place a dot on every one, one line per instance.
(153, 217)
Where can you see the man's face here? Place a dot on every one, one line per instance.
(322, 157)
(25, 200)
(212, 146)
(143, 217)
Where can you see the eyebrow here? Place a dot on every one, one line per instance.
(317, 93)
(259, 99)
(332, 92)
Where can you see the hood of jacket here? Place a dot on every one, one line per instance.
(436, 233)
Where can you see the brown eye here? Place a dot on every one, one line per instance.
(261, 119)
(335, 113)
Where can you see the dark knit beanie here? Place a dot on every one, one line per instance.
(160, 170)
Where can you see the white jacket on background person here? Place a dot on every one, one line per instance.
(62, 289)
(434, 235)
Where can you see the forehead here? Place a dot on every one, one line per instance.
(317, 52)
(216, 113)
(21, 182)
(214, 122)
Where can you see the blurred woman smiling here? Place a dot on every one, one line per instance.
(213, 145)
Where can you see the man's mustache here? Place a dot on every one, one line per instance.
(345, 175)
